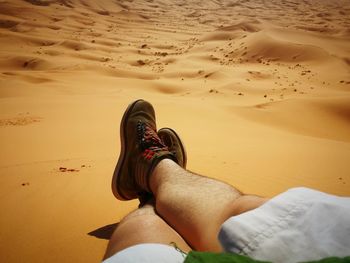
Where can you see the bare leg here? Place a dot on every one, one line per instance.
(143, 226)
(196, 206)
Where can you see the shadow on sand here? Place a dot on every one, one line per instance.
(104, 232)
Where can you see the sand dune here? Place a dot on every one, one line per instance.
(258, 90)
(324, 118)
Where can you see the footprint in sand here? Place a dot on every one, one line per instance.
(141, 62)
(65, 169)
(19, 121)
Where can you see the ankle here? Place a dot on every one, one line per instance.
(159, 173)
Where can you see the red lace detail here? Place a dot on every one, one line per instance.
(149, 141)
(148, 154)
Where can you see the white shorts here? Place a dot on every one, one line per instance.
(147, 253)
(298, 225)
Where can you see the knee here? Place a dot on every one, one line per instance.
(136, 223)
(132, 230)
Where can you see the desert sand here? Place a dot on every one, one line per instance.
(258, 90)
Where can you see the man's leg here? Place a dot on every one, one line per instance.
(193, 205)
(196, 206)
(143, 226)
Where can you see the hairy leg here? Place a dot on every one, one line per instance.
(143, 226)
(196, 206)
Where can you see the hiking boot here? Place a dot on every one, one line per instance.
(141, 151)
(172, 140)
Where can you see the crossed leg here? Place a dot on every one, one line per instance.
(143, 225)
(196, 206)
(190, 209)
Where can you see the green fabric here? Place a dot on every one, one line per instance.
(208, 257)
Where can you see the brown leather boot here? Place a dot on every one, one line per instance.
(141, 151)
(172, 140)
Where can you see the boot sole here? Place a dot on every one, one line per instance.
(116, 175)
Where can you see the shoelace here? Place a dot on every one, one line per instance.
(148, 139)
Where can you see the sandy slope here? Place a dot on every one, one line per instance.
(259, 91)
